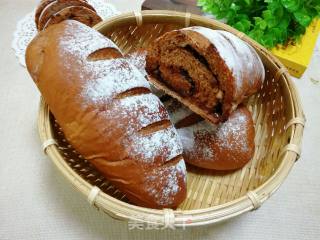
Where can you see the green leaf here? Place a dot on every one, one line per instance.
(291, 5)
(235, 7)
(299, 30)
(243, 25)
(284, 22)
(221, 14)
(277, 33)
(267, 14)
(267, 21)
(260, 23)
(273, 5)
(279, 12)
(270, 19)
(302, 18)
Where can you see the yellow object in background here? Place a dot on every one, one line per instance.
(297, 56)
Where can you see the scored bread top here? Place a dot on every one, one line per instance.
(107, 112)
(243, 61)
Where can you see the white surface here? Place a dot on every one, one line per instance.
(36, 202)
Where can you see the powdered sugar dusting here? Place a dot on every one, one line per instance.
(143, 109)
(107, 77)
(249, 59)
(171, 186)
(110, 78)
(169, 178)
(240, 58)
(138, 59)
(193, 139)
(198, 139)
(225, 49)
(163, 143)
(181, 167)
(188, 135)
(235, 127)
(84, 42)
(207, 152)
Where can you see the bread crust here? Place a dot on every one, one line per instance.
(227, 146)
(108, 114)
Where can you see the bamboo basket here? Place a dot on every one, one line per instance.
(212, 196)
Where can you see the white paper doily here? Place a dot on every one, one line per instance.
(26, 28)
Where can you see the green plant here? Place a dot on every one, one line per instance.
(269, 22)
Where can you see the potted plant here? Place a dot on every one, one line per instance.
(286, 27)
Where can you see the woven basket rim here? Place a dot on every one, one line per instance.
(122, 210)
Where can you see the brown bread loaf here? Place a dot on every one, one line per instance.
(225, 146)
(210, 71)
(107, 112)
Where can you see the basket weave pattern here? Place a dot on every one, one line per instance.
(212, 196)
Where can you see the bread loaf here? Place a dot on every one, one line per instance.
(54, 11)
(108, 114)
(210, 71)
(225, 146)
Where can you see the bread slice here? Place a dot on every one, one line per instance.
(78, 13)
(40, 8)
(56, 6)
